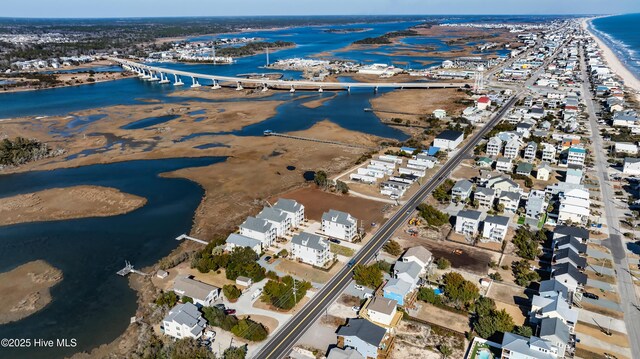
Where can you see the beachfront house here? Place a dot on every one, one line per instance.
(484, 197)
(365, 337)
(293, 209)
(203, 294)
(260, 229)
(509, 201)
(382, 310)
(515, 346)
(339, 225)
(467, 222)
(278, 218)
(311, 249)
(184, 321)
(495, 228)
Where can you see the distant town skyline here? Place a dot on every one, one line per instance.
(169, 8)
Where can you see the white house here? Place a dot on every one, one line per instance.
(448, 140)
(382, 310)
(512, 148)
(260, 229)
(439, 113)
(468, 222)
(202, 294)
(567, 274)
(339, 225)
(509, 200)
(293, 209)
(553, 307)
(238, 240)
(495, 228)
(278, 218)
(631, 166)
(311, 249)
(574, 206)
(543, 172)
(530, 150)
(184, 321)
(504, 164)
(461, 190)
(363, 336)
(573, 175)
(626, 147)
(483, 103)
(515, 346)
(418, 254)
(576, 156)
(494, 146)
(536, 204)
(484, 196)
(548, 153)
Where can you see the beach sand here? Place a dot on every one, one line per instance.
(67, 203)
(630, 80)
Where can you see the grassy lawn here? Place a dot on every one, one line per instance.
(521, 220)
(341, 250)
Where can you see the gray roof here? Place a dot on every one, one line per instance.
(257, 224)
(519, 344)
(243, 241)
(346, 353)
(288, 205)
(419, 252)
(193, 288)
(413, 269)
(535, 203)
(485, 191)
(631, 160)
(272, 214)
(471, 214)
(569, 253)
(463, 185)
(513, 196)
(503, 159)
(363, 329)
(450, 135)
(339, 217)
(574, 242)
(556, 304)
(187, 314)
(553, 285)
(502, 220)
(568, 268)
(382, 305)
(310, 240)
(398, 286)
(554, 330)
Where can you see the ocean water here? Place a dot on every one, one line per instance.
(622, 34)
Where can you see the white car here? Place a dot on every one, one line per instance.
(359, 287)
(256, 294)
(368, 295)
(355, 309)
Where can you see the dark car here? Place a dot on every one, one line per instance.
(267, 258)
(334, 240)
(229, 311)
(351, 263)
(590, 295)
(220, 306)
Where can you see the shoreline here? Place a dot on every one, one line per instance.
(18, 90)
(616, 65)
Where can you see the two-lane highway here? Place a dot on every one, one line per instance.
(283, 340)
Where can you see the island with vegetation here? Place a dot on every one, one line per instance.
(253, 48)
(385, 39)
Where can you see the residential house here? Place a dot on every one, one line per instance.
(397, 289)
(553, 288)
(484, 162)
(382, 310)
(553, 307)
(518, 347)
(467, 222)
(536, 204)
(579, 233)
(439, 113)
(293, 209)
(339, 225)
(626, 147)
(524, 169)
(512, 148)
(568, 255)
(574, 243)
(484, 196)
(495, 228)
(627, 118)
(504, 164)
(530, 151)
(509, 201)
(418, 254)
(573, 175)
(574, 206)
(279, 219)
(543, 172)
(569, 275)
(424, 160)
(524, 129)
(461, 190)
(365, 337)
(483, 103)
(576, 156)
(408, 272)
(503, 183)
(448, 140)
(184, 321)
(557, 332)
(631, 166)
(311, 249)
(548, 153)
(260, 229)
(203, 294)
(238, 240)
(494, 146)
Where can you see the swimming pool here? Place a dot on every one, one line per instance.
(484, 354)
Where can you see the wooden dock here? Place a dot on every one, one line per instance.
(184, 236)
(329, 142)
(128, 268)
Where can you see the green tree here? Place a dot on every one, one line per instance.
(497, 321)
(523, 273)
(442, 263)
(441, 193)
(250, 330)
(280, 294)
(217, 318)
(445, 350)
(392, 247)
(167, 298)
(242, 262)
(321, 179)
(188, 348)
(459, 290)
(235, 353)
(496, 276)
(524, 330)
(527, 243)
(484, 306)
(186, 299)
(369, 276)
(428, 295)
(342, 187)
(432, 215)
(231, 292)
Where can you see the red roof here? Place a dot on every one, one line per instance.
(484, 99)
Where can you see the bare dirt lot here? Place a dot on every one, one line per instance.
(67, 203)
(418, 102)
(445, 318)
(25, 290)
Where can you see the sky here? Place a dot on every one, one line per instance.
(152, 8)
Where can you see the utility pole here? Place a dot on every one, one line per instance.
(295, 294)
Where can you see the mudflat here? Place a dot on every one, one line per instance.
(67, 203)
(25, 290)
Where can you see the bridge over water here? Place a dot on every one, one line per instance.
(162, 75)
